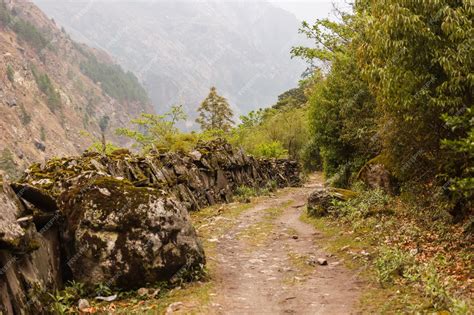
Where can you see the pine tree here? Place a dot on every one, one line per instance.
(215, 113)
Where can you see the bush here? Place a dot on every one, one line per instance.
(244, 193)
(10, 73)
(43, 134)
(392, 263)
(273, 149)
(24, 116)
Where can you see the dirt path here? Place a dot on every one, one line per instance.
(266, 263)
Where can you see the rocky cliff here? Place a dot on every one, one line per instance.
(48, 93)
(120, 219)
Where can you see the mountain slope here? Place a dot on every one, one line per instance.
(47, 96)
(181, 48)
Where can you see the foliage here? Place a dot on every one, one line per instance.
(30, 34)
(43, 134)
(272, 149)
(215, 113)
(407, 247)
(342, 115)
(10, 73)
(392, 263)
(292, 98)
(159, 131)
(398, 84)
(46, 86)
(5, 17)
(121, 85)
(244, 193)
(98, 146)
(417, 59)
(25, 118)
(7, 164)
(276, 132)
(104, 123)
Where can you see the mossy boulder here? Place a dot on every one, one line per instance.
(127, 236)
(321, 200)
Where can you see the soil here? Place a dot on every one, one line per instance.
(267, 263)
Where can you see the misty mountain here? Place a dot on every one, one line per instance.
(178, 49)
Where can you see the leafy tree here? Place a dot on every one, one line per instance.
(155, 131)
(342, 115)
(417, 58)
(215, 113)
(280, 131)
(104, 125)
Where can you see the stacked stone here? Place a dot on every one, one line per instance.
(120, 219)
(206, 176)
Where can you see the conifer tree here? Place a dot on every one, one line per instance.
(215, 113)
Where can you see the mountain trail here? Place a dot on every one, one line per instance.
(270, 262)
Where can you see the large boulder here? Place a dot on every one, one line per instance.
(375, 175)
(319, 202)
(29, 257)
(127, 236)
(322, 200)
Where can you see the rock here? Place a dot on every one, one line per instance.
(173, 307)
(39, 145)
(322, 261)
(142, 292)
(135, 237)
(11, 233)
(107, 298)
(375, 175)
(295, 237)
(11, 102)
(83, 304)
(319, 202)
(120, 218)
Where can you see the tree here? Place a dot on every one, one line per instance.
(417, 58)
(104, 125)
(155, 131)
(215, 113)
(342, 109)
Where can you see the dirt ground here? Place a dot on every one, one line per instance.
(267, 263)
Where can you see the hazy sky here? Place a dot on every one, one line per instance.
(309, 10)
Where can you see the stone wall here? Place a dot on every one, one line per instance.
(121, 219)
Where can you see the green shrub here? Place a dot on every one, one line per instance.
(24, 116)
(393, 263)
(10, 73)
(5, 17)
(244, 193)
(43, 134)
(272, 149)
